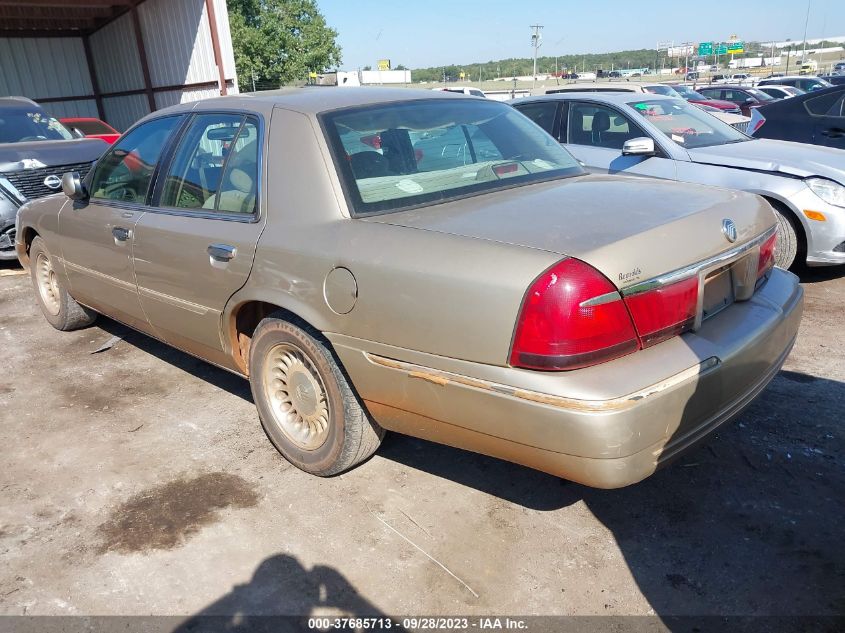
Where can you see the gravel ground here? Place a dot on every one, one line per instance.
(137, 480)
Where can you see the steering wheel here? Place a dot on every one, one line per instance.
(121, 191)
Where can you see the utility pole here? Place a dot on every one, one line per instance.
(536, 38)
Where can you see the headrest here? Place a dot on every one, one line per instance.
(241, 180)
(601, 121)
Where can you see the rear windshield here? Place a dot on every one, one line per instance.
(21, 125)
(401, 155)
(92, 127)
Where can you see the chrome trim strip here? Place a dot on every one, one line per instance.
(443, 378)
(196, 308)
(694, 269)
(608, 297)
(114, 281)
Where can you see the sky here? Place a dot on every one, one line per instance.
(423, 33)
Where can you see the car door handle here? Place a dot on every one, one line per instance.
(834, 132)
(121, 234)
(222, 252)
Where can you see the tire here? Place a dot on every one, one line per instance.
(59, 308)
(789, 242)
(306, 404)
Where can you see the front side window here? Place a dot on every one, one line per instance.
(399, 155)
(215, 167)
(599, 126)
(685, 124)
(26, 124)
(124, 173)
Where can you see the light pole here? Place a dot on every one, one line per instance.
(536, 43)
(806, 21)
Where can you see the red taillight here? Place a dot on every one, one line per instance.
(664, 312)
(509, 168)
(767, 256)
(570, 318)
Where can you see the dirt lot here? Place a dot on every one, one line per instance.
(137, 480)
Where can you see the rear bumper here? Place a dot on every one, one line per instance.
(607, 426)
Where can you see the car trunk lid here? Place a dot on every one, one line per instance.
(630, 229)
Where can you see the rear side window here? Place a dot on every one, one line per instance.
(215, 167)
(124, 173)
(406, 154)
(828, 104)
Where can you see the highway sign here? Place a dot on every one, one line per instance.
(721, 49)
(705, 48)
(736, 47)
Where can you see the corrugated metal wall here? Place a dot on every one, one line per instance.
(178, 45)
(22, 64)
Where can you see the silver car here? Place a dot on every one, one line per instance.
(662, 137)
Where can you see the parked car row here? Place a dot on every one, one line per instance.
(452, 267)
(663, 137)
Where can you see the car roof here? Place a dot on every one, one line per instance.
(16, 102)
(793, 77)
(609, 97)
(312, 99)
(619, 86)
(733, 86)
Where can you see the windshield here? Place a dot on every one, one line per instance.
(688, 93)
(686, 124)
(399, 155)
(666, 91)
(759, 94)
(91, 126)
(20, 125)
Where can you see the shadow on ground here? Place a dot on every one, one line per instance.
(220, 378)
(820, 273)
(748, 524)
(279, 586)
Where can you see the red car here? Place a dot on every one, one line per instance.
(92, 128)
(699, 99)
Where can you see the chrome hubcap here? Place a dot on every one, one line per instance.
(48, 284)
(297, 396)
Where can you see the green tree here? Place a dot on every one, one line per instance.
(277, 42)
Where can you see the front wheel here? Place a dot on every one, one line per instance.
(306, 404)
(788, 241)
(59, 308)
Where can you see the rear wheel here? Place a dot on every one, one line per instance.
(306, 404)
(788, 241)
(59, 308)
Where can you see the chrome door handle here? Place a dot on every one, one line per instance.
(121, 234)
(222, 252)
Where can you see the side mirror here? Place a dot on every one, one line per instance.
(642, 146)
(77, 133)
(73, 187)
(749, 101)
